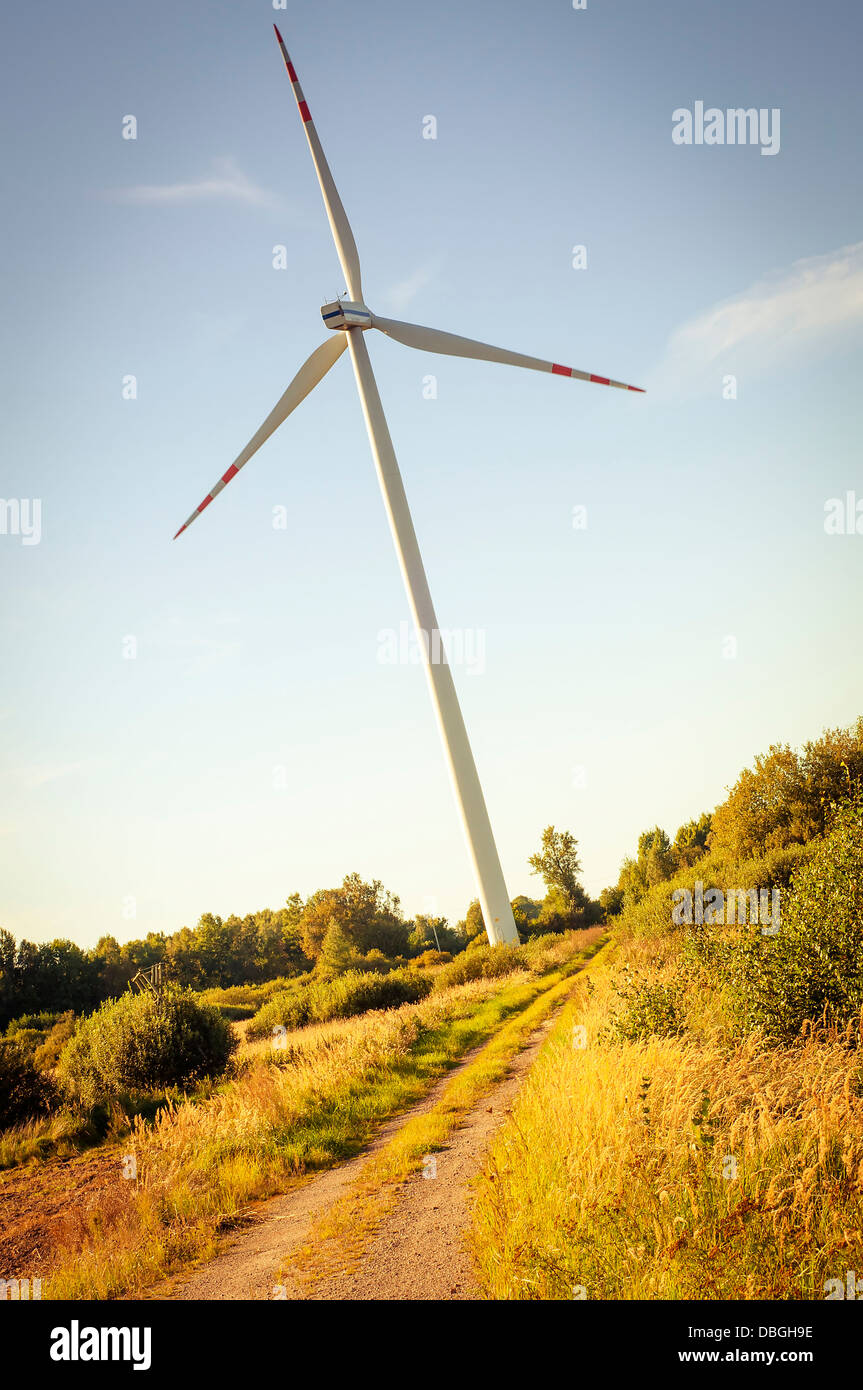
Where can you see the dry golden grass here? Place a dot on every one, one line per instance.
(287, 1112)
(339, 1237)
(680, 1167)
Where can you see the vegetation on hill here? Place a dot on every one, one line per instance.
(25, 1089)
(780, 803)
(357, 926)
(343, 996)
(694, 1128)
(292, 1105)
(344, 952)
(145, 1042)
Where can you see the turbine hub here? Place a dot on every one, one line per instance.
(344, 313)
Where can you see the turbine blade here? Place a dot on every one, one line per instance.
(450, 344)
(338, 218)
(311, 372)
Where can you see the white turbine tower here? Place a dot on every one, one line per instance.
(349, 318)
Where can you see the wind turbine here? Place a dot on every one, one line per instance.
(348, 319)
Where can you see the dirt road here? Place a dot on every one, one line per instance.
(419, 1250)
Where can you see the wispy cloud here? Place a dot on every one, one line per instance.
(37, 774)
(814, 300)
(400, 295)
(227, 183)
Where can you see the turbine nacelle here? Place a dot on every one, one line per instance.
(346, 313)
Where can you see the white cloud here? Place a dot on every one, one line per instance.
(816, 298)
(226, 183)
(399, 296)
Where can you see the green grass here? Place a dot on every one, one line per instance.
(665, 1152)
(287, 1114)
(504, 1025)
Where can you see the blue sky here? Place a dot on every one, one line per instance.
(256, 745)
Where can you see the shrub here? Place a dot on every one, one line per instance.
(48, 1054)
(342, 997)
(650, 1009)
(251, 996)
(776, 868)
(145, 1042)
(482, 963)
(42, 1022)
(28, 1039)
(431, 958)
(812, 968)
(25, 1091)
(374, 962)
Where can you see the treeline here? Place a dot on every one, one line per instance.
(265, 945)
(358, 925)
(784, 800)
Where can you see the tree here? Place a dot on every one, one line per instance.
(277, 947)
(690, 842)
(655, 862)
(473, 925)
(9, 984)
(611, 901)
(786, 797)
(337, 954)
(434, 934)
(322, 908)
(526, 912)
(632, 881)
(655, 855)
(115, 968)
(558, 865)
(556, 913)
(369, 915)
(761, 810)
(184, 961)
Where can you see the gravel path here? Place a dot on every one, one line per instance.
(419, 1250)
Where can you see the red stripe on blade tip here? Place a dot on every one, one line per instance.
(561, 371)
(304, 111)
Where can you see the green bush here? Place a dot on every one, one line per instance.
(25, 1091)
(774, 869)
(250, 996)
(342, 997)
(42, 1022)
(47, 1055)
(28, 1039)
(650, 1009)
(375, 962)
(145, 1042)
(811, 969)
(482, 963)
(429, 959)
